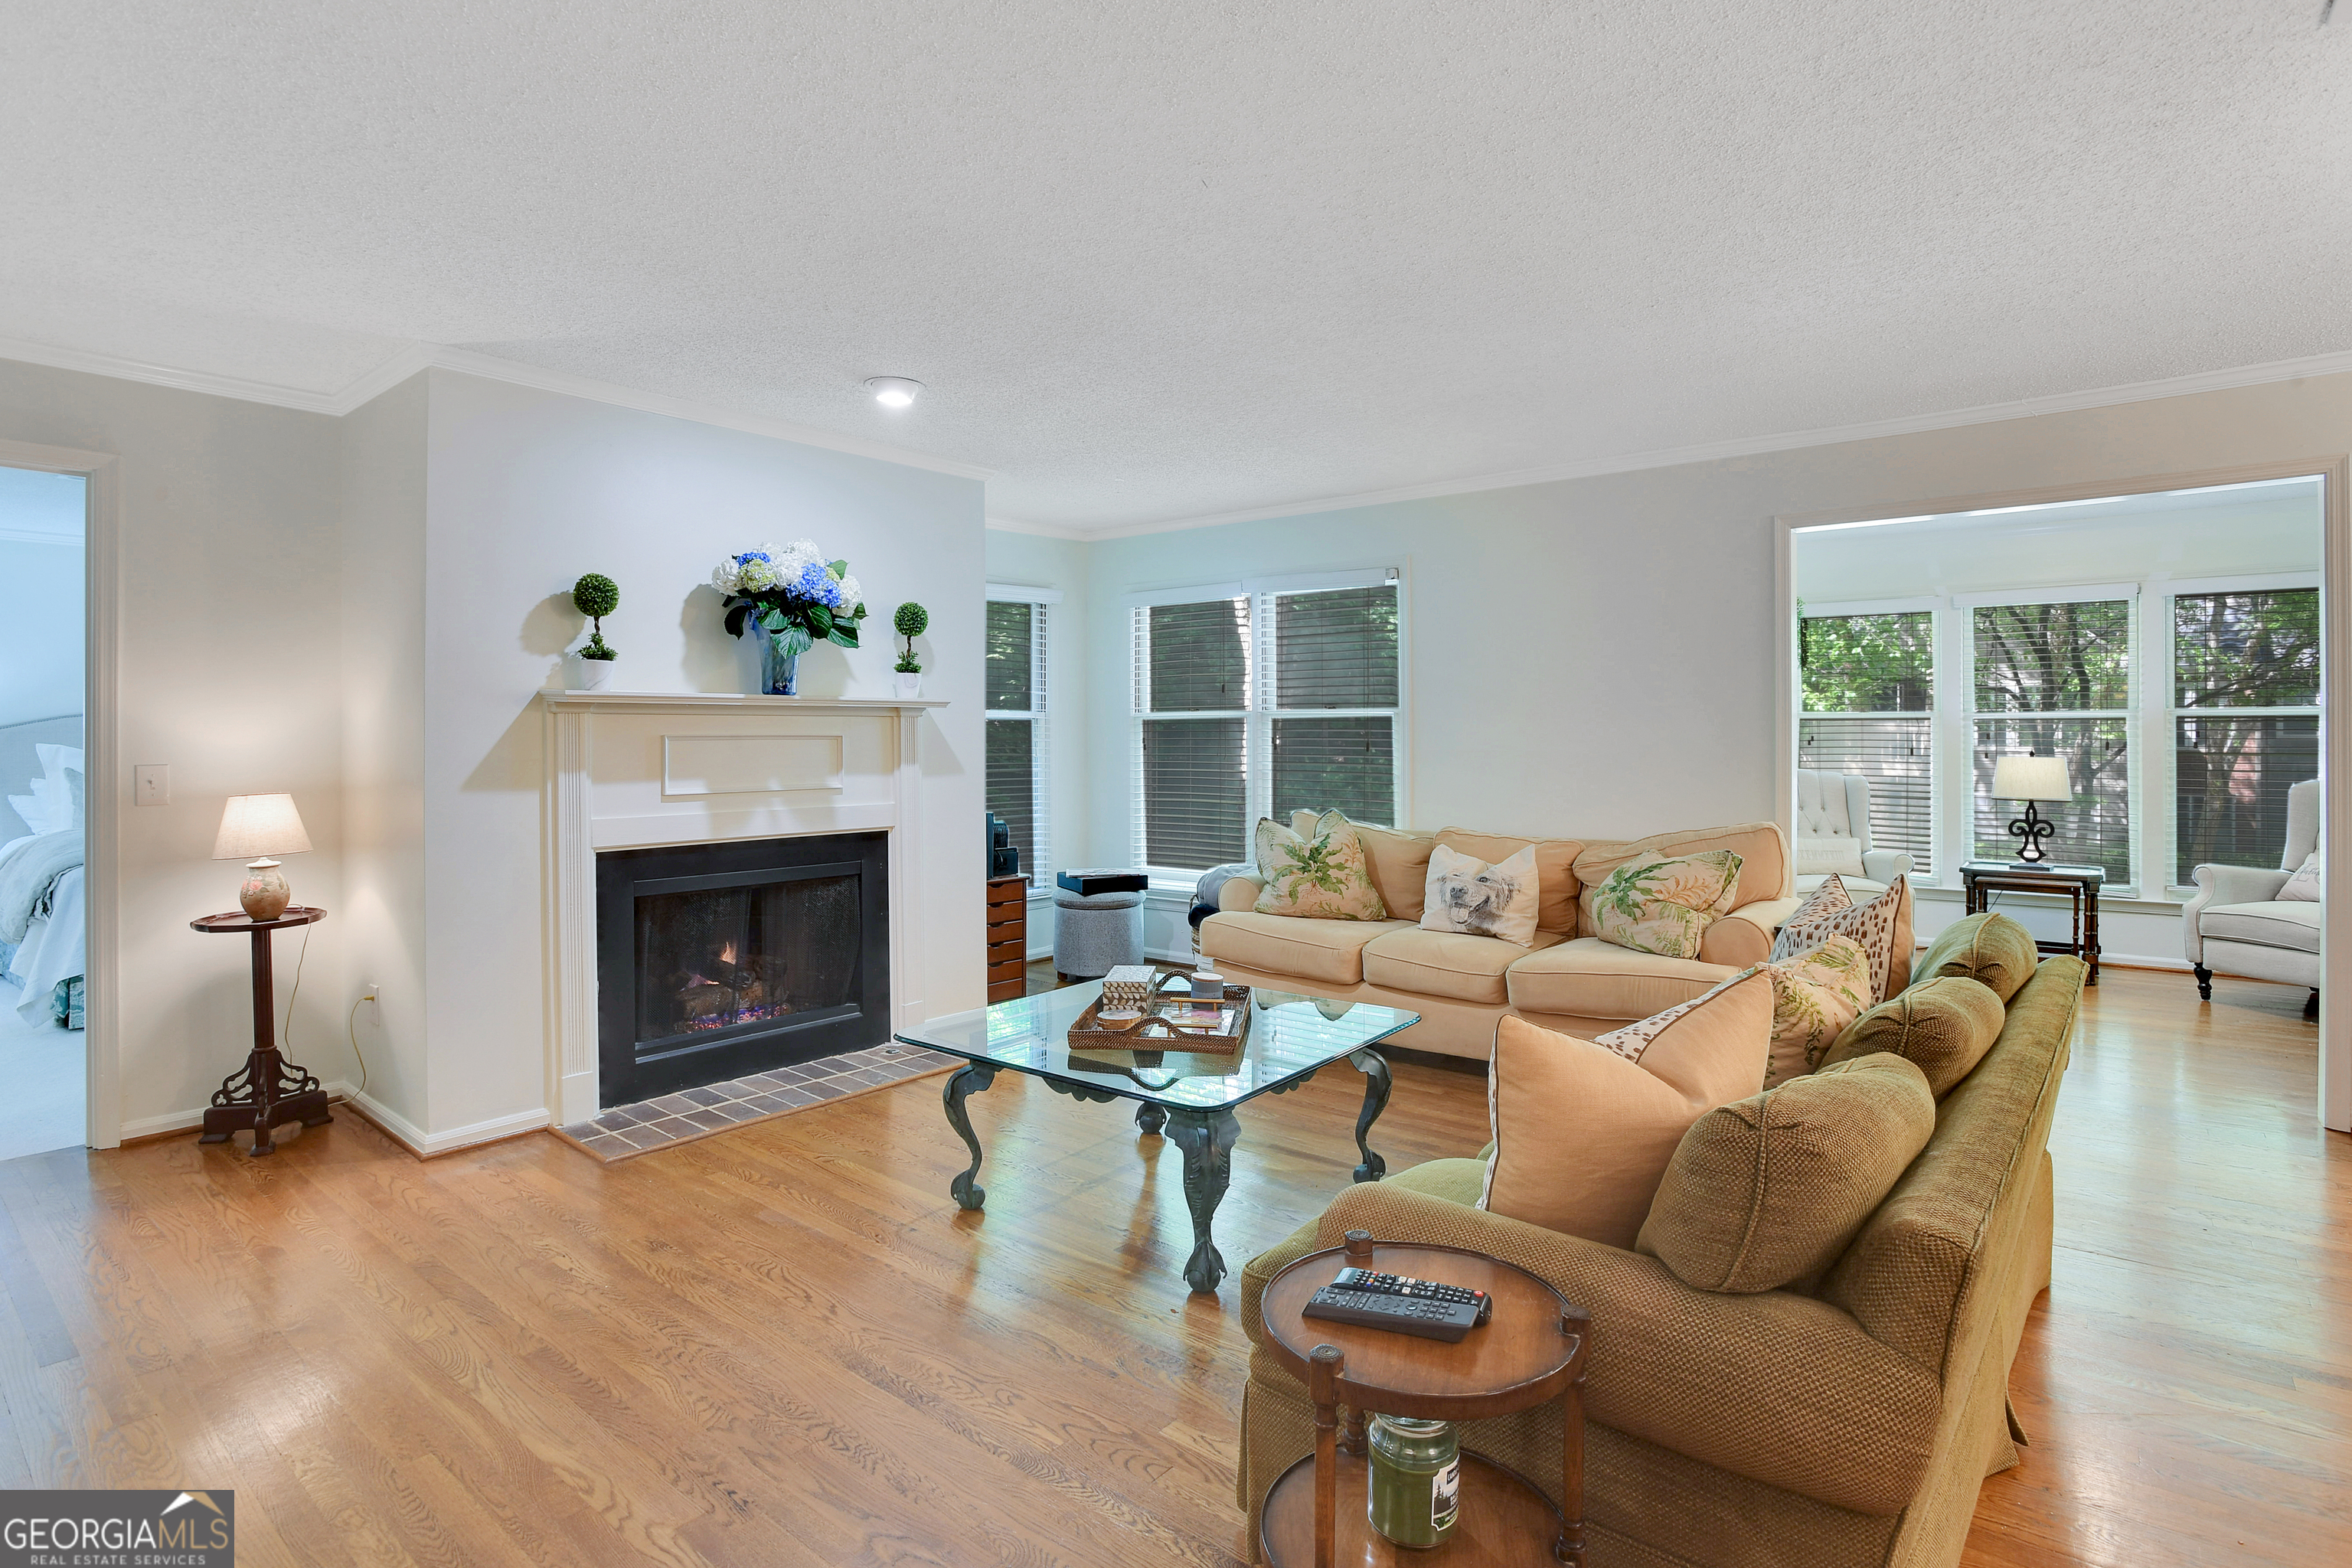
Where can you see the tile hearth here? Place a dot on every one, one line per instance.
(669, 1120)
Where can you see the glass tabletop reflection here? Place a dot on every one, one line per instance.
(1290, 1036)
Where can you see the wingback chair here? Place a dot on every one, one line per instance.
(2237, 923)
(1831, 810)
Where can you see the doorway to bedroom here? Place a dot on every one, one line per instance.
(44, 939)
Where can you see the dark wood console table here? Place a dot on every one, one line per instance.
(1982, 878)
(269, 1090)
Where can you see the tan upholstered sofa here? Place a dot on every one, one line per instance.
(1847, 1423)
(1461, 984)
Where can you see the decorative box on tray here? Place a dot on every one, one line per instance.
(1169, 1014)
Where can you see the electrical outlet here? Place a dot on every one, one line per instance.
(370, 994)
(151, 783)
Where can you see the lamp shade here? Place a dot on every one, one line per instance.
(2031, 778)
(255, 826)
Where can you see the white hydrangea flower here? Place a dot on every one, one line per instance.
(728, 577)
(755, 574)
(850, 592)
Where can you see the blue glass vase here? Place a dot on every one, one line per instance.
(780, 673)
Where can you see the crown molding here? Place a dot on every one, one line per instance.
(2337, 363)
(1042, 530)
(122, 369)
(418, 357)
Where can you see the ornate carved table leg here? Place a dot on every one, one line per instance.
(1150, 1118)
(967, 1079)
(1375, 1068)
(1207, 1138)
(268, 1091)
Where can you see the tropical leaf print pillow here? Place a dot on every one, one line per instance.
(1322, 877)
(1662, 905)
(1465, 894)
(1816, 997)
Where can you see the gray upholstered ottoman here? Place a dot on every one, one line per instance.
(1097, 923)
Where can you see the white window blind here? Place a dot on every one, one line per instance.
(1868, 690)
(2055, 679)
(1260, 704)
(2245, 714)
(1018, 755)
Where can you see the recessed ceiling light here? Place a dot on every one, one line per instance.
(893, 391)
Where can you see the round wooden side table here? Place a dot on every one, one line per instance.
(1530, 1350)
(269, 1090)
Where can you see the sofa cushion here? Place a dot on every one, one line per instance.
(1882, 927)
(1400, 866)
(2282, 925)
(1465, 894)
(1555, 869)
(1319, 875)
(1944, 1026)
(1767, 1191)
(1763, 849)
(1661, 904)
(1989, 947)
(1821, 853)
(1327, 951)
(2307, 885)
(1583, 1132)
(1588, 978)
(1445, 964)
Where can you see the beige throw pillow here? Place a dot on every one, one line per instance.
(1989, 947)
(1943, 1025)
(1321, 877)
(1770, 1190)
(1655, 904)
(1465, 894)
(1882, 927)
(1816, 997)
(1583, 1132)
(2302, 887)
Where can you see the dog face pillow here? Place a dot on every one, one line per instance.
(1466, 895)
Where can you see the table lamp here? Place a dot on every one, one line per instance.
(2032, 778)
(253, 829)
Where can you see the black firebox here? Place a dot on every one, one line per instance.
(714, 960)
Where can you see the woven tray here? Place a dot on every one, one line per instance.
(1157, 1030)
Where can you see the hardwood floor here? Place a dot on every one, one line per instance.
(785, 1345)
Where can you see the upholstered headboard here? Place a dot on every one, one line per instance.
(19, 766)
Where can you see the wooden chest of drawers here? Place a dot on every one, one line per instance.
(1008, 937)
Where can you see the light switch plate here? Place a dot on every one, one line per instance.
(151, 783)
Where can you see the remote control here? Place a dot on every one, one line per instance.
(1448, 1320)
(1419, 1289)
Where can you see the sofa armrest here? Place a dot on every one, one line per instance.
(1239, 895)
(1778, 1387)
(1886, 865)
(2225, 884)
(1745, 935)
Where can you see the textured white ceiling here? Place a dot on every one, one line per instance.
(1160, 260)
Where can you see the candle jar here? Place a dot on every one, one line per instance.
(1414, 1479)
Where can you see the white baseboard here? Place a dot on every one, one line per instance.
(2142, 961)
(399, 1126)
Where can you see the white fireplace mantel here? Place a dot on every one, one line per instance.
(627, 770)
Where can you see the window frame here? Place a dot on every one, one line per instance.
(2151, 720)
(1258, 712)
(1037, 715)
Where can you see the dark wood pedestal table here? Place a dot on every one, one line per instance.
(269, 1090)
(1532, 1349)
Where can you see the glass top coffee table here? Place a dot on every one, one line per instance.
(1192, 1094)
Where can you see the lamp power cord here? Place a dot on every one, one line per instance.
(350, 1030)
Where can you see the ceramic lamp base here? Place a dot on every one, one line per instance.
(264, 894)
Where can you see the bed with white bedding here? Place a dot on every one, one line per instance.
(43, 951)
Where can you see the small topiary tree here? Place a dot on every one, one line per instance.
(910, 621)
(596, 596)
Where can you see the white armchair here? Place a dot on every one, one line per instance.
(1833, 829)
(2238, 925)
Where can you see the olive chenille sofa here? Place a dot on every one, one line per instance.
(1846, 1420)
